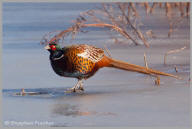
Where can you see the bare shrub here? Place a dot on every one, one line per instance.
(123, 18)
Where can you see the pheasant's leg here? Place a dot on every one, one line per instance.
(76, 86)
(81, 85)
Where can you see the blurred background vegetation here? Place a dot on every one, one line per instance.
(124, 19)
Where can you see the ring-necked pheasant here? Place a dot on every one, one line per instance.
(83, 61)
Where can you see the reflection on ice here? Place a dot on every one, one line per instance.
(73, 110)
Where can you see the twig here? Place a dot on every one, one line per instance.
(145, 60)
(150, 34)
(132, 5)
(170, 29)
(188, 9)
(46, 37)
(153, 6)
(176, 70)
(168, 9)
(23, 92)
(157, 81)
(171, 52)
(147, 7)
(181, 8)
(174, 24)
(107, 50)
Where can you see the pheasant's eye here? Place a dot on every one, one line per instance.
(53, 47)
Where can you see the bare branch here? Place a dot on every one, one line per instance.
(173, 51)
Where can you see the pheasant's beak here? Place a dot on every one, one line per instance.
(47, 47)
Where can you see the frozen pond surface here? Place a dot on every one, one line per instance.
(112, 97)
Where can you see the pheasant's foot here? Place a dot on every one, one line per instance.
(79, 91)
(70, 90)
(77, 88)
(73, 90)
(81, 87)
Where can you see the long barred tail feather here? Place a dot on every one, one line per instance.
(136, 68)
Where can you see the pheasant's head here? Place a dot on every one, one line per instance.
(52, 47)
(55, 50)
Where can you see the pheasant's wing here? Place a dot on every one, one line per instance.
(90, 52)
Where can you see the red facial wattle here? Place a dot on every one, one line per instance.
(53, 47)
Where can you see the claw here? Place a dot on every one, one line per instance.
(70, 90)
(73, 89)
(81, 88)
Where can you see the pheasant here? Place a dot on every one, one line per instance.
(83, 61)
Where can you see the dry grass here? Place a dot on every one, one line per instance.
(171, 9)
